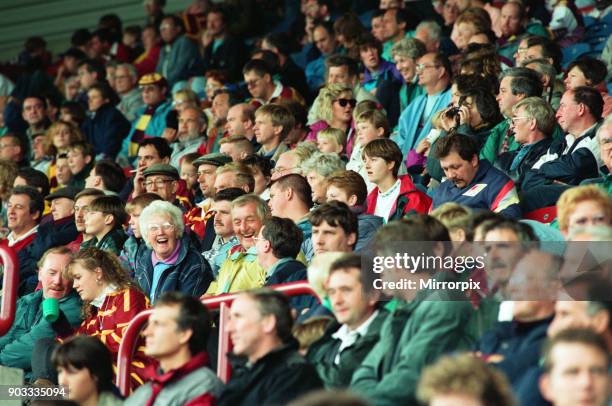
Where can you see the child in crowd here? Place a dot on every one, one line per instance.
(371, 125)
(331, 140)
(104, 220)
(80, 162)
(394, 196)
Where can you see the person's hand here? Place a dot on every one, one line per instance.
(423, 147)
(139, 187)
(448, 122)
(464, 115)
(207, 39)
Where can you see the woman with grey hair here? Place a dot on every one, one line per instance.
(335, 110)
(318, 167)
(171, 263)
(405, 54)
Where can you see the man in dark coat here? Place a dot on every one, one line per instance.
(266, 367)
(348, 340)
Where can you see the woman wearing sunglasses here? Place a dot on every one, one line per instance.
(335, 110)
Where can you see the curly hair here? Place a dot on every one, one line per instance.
(327, 95)
(112, 272)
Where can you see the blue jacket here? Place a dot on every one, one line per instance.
(491, 189)
(105, 130)
(368, 224)
(190, 274)
(292, 271)
(179, 61)
(409, 133)
(17, 345)
(520, 344)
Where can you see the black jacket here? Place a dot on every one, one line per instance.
(230, 56)
(51, 234)
(292, 271)
(570, 168)
(277, 378)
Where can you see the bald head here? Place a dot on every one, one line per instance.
(240, 119)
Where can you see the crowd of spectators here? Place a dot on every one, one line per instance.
(239, 145)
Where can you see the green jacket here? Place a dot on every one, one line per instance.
(16, 346)
(322, 353)
(412, 337)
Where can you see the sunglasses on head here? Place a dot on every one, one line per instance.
(344, 102)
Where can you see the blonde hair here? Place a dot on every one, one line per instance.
(453, 215)
(8, 173)
(465, 374)
(327, 95)
(75, 136)
(318, 271)
(572, 197)
(375, 117)
(333, 134)
(310, 331)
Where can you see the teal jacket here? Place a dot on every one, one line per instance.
(17, 345)
(412, 337)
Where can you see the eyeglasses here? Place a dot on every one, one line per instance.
(252, 83)
(422, 66)
(345, 102)
(153, 228)
(515, 119)
(159, 183)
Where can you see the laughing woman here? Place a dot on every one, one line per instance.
(171, 262)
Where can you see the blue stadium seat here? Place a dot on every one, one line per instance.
(574, 51)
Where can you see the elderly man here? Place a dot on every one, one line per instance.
(570, 159)
(533, 123)
(176, 336)
(30, 325)
(171, 263)
(163, 180)
(260, 328)
(240, 271)
(126, 78)
(604, 136)
(190, 136)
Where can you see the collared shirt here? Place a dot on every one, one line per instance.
(99, 301)
(12, 240)
(159, 266)
(348, 338)
(386, 200)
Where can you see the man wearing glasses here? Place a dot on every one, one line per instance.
(434, 72)
(162, 179)
(533, 123)
(263, 88)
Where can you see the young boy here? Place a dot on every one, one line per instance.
(189, 173)
(272, 125)
(394, 196)
(80, 162)
(63, 176)
(104, 221)
(135, 246)
(371, 125)
(331, 140)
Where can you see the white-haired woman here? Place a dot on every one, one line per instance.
(335, 109)
(171, 263)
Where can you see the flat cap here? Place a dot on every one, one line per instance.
(69, 192)
(162, 169)
(215, 159)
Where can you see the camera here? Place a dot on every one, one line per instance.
(452, 112)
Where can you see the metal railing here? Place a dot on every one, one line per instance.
(220, 302)
(10, 283)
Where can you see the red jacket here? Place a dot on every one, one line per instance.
(409, 199)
